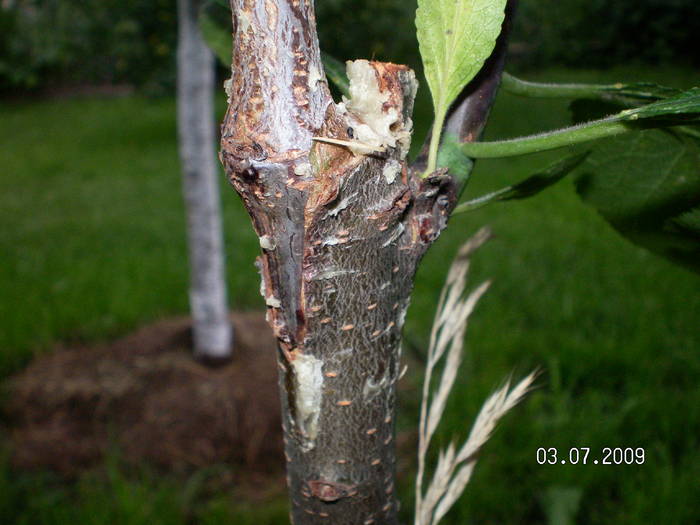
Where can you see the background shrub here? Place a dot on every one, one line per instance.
(74, 42)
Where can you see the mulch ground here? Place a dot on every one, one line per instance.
(145, 397)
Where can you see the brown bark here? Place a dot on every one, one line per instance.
(342, 231)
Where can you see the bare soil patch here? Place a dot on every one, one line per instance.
(147, 398)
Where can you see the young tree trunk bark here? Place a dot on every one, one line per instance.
(342, 230)
(212, 332)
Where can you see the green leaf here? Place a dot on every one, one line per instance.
(215, 26)
(455, 37)
(335, 72)
(689, 221)
(639, 92)
(530, 186)
(685, 106)
(647, 185)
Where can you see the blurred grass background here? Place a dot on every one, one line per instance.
(92, 245)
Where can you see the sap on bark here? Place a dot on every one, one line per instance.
(372, 114)
(308, 387)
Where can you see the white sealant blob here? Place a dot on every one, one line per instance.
(372, 389)
(273, 302)
(391, 169)
(314, 77)
(228, 89)
(303, 170)
(308, 385)
(267, 242)
(366, 102)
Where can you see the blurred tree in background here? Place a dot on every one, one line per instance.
(73, 42)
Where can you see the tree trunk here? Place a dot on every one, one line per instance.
(342, 233)
(342, 227)
(212, 332)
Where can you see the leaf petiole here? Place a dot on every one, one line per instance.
(625, 94)
(560, 138)
(435, 143)
(517, 86)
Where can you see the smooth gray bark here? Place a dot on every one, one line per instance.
(212, 332)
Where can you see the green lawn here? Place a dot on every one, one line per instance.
(92, 245)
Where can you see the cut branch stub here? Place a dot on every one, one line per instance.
(342, 231)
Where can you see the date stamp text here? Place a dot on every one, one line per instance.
(585, 456)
